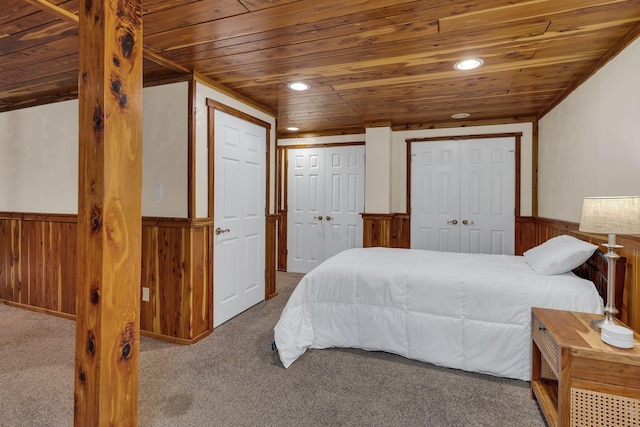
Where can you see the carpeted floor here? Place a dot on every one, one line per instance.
(232, 378)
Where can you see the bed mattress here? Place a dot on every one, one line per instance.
(463, 311)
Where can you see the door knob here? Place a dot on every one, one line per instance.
(319, 217)
(220, 230)
(453, 221)
(465, 222)
(328, 218)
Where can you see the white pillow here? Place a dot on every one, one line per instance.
(559, 255)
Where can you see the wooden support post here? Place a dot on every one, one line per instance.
(109, 213)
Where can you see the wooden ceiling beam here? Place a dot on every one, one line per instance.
(67, 16)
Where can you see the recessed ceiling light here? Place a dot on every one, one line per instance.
(298, 86)
(460, 116)
(293, 128)
(468, 64)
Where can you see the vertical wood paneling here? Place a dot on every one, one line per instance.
(37, 261)
(176, 267)
(38, 270)
(149, 273)
(525, 234)
(172, 292)
(376, 230)
(386, 230)
(68, 254)
(6, 260)
(19, 263)
(201, 271)
(401, 231)
(271, 256)
(25, 267)
(282, 242)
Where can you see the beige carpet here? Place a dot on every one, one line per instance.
(232, 378)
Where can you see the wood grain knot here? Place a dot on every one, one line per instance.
(95, 295)
(126, 351)
(96, 215)
(127, 42)
(98, 119)
(127, 338)
(91, 344)
(116, 61)
(116, 86)
(82, 377)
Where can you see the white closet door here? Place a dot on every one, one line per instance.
(487, 194)
(326, 199)
(305, 218)
(344, 198)
(239, 216)
(463, 195)
(435, 196)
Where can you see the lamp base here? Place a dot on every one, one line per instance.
(608, 319)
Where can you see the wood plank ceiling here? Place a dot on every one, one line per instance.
(367, 61)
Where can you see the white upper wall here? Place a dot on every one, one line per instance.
(39, 155)
(164, 150)
(39, 159)
(379, 171)
(589, 145)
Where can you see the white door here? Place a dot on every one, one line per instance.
(325, 202)
(488, 196)
(463, 195)
(435, 183)
(239, 216)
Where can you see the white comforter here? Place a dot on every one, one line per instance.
(470, 312)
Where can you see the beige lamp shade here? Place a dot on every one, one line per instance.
(611, 215)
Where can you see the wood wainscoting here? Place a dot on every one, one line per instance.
(38, 270)
(177, 265)
(271, 256)
(38, 262)
(386, 230)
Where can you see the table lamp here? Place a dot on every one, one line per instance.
(610, 215)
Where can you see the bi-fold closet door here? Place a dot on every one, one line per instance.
(325, 201)
(463, 195)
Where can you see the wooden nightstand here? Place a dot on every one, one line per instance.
(578, 379)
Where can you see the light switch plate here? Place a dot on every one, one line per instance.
(145, 294)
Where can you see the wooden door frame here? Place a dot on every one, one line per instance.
(212, 106)
(518, 139)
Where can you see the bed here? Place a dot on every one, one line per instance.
(463, 311)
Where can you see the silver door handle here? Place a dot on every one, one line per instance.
(465, 222)
(319, 217)
(220, 230)
(453, 221)
(328, 218)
